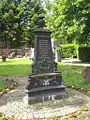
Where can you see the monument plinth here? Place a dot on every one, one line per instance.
(43, 61)
(45, 82)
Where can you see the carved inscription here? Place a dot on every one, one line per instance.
(43, 48)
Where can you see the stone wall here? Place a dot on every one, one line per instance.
(19, 51)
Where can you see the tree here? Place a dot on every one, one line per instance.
(33, 9)
(69, 21)
(10, 19)
(17, 21)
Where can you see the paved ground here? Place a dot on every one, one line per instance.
(75, 62)
(15, 102)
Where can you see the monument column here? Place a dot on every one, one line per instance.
(43, 61)
(45, 81)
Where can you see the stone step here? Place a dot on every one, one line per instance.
(46, 97)
(46, 88)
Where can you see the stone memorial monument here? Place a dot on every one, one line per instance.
(86, 74)
(45, 82)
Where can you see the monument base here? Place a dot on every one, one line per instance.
(46, 86)
(46, 97)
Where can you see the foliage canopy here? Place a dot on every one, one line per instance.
(69, 21)
(18, 21)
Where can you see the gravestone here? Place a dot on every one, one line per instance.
(43, 61)
(45, 82)
(57, 50)
(86, 74)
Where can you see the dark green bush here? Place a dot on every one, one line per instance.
(69, 51)
(84, 53)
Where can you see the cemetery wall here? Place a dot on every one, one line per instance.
(21, 52)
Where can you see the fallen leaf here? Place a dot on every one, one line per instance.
(4, 91)
(64, 118)
(11, 118)
(71, 115)
(79, 112)
(84, 108)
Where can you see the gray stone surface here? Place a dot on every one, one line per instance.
(86, 74)
(15, 103)
(44, 63)
(43, 57)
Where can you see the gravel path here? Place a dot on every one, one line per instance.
(75, 62)
(15, 103)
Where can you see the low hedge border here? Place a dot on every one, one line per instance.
(84, 53)
(69, 51)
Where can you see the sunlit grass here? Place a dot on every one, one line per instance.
(72, 75)
(63, 66)
(15, 67)
(2, 84)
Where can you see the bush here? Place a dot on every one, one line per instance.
(84, 53)
(69, 51)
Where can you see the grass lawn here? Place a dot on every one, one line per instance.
(2, 84)
(15, 67)
(72, 75)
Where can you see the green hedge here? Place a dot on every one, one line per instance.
(69, 51)
(84, 53)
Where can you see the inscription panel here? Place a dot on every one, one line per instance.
(44, 48)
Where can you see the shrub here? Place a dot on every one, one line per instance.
(84, 53)
(69, 51)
